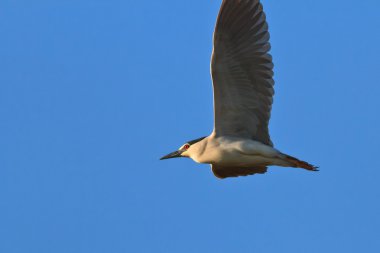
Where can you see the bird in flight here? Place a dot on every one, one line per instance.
(242, 75)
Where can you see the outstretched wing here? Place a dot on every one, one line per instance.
(241, 70)
(224, 172)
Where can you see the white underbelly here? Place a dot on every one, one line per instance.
(240, 153)
(242, 160)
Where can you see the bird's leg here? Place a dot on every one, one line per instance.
(300, 164)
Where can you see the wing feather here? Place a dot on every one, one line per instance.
(242, 71)
(224, 172)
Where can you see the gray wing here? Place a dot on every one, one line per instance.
(241, 70)
(224, 172)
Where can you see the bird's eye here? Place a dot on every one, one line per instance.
(186, 146)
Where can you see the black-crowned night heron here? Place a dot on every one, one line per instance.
(241, 69)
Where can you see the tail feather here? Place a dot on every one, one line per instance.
(301, 164)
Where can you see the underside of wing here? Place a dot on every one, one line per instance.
(242, 73)
(224, 172)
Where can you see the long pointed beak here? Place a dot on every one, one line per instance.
(172, 155)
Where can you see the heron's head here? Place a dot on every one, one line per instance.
(184, 150)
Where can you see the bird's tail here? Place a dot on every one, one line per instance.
(300, 164)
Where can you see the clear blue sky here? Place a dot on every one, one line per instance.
(92, 93)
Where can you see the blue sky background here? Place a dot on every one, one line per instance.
(92, 93)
